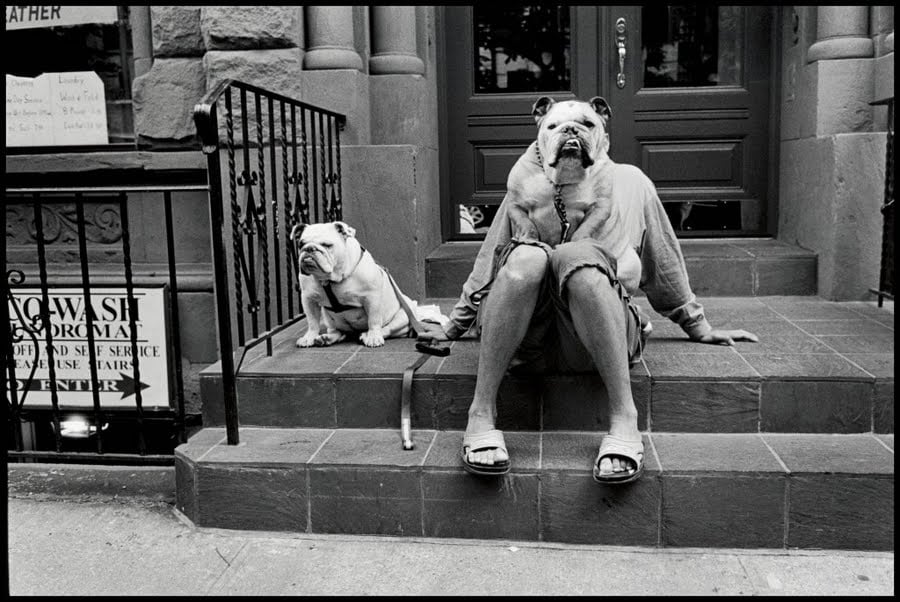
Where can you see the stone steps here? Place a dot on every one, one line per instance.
(770, 490)
(820, 367)
(716, 267)
(785, 443)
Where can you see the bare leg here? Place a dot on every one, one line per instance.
(600, 323)
(505, 321)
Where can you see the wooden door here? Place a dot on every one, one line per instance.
(691, 106)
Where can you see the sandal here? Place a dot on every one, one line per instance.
(492, 439)
(623, 448)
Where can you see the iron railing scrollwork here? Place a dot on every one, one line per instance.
(261, 297)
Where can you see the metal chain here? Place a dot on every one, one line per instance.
(557, 200)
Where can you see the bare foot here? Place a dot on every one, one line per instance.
(489, 457)
(612, 463)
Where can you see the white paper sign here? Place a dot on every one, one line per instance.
(112, 342)
(31, 17)
(56, 109)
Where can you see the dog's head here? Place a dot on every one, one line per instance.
(572, 131)
(322, 248)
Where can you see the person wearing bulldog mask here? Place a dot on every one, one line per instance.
(551, 289)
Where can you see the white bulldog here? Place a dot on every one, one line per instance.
(343, 290)
(573, 146)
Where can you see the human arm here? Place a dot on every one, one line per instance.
(664, 277)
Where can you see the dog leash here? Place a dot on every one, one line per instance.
(426, 350)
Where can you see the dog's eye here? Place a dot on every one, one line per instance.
(327, 245)
(588, 124)
(552, 126)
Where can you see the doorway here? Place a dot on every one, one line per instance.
(689, 88)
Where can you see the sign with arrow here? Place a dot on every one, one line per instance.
(68, 368)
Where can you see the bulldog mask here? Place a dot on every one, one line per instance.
(342, 290)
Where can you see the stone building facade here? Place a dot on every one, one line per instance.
(378, 65)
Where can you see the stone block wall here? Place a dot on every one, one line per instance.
(835, 61)
(374, 64)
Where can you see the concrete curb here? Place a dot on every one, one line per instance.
(90, 482)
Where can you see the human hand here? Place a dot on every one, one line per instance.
(433, 332)
(726, 337)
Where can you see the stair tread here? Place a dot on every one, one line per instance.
(819, 366)
(699, 490)
(569, 451)
(800, 337)
(716, 267)
(726, 247)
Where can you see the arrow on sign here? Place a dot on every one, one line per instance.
(126, 385)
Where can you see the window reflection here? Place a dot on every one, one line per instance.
(694, 45)
(521, 48)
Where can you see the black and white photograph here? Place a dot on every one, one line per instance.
(449, 300)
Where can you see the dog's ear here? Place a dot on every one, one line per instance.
(599, 104)
(540, 108)
(345, 230)
(297, 232)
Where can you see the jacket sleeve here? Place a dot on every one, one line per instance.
(463, 314)
(664, 276)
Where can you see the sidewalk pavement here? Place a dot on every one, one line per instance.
(75, 530)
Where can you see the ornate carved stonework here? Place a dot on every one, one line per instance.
(103, 223)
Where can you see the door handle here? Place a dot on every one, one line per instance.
(620, 44)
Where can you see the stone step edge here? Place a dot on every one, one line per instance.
(359, 494)
(665, 452)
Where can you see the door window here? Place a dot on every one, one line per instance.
(521, 48)
(694, 45)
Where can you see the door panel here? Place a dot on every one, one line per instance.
(489, 121)
(692, 112)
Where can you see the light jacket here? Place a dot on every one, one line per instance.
(637, 233)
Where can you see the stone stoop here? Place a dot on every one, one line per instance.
(716, 267)
(699, 490)
(783, 443)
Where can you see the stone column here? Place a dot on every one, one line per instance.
(394, 41)
(330, 39)
(842, 33)
(141, 39)
(882, 29)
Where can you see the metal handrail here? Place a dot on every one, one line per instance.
(256, 232)
(204, 114)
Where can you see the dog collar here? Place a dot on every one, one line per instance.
(336, 306)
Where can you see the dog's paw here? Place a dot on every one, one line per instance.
(329, 338)
(307, 340)
(371, 338)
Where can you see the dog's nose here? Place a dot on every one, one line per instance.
(569, 129)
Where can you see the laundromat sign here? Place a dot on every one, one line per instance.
(32, 17)
(71, 360)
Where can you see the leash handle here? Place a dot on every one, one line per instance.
(432, 349)
(415, 323)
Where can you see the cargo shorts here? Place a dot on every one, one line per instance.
(551, 343)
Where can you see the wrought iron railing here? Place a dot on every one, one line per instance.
(255, 200)
(886, 274)
(88, 339)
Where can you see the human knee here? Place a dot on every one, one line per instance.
(587, 282)
(526, 264)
